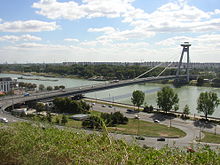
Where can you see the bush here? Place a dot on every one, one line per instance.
(93, 122)
(148, 109)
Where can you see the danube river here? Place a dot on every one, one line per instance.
(187, 94)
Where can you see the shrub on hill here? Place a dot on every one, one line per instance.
(26, 143)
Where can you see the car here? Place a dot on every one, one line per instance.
(130, 110)
(93, 103)
(140, 138)
(103, 105)
(136, 117)
(156, 121)
(3, 120)
(26, 94)
(161, 139)
(110, 106)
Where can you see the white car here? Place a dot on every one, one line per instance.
(3, 120)
(156, 121)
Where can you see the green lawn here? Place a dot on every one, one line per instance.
(147, 129)
(211, 138)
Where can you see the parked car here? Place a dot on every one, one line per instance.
(3, 120)
(161, 139)
(136, 117)
(27, 94)
(110, 106)
(156, 121)
(103, 105)
(93, 103)
(140, 138)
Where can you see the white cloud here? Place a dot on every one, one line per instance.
(27, 26)
(88, 9)
(13, 38)
(175, 16)
(71, 40)
(111, 34)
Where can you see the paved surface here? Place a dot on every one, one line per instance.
(191, 129)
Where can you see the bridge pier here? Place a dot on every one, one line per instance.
(185, 46)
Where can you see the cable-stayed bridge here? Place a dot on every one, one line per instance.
(105, 85)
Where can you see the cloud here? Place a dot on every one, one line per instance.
(71, 40)
(175, 16)
(13, 38)
(206, 40)
(88, 9)
(112, 34)
(28, 26)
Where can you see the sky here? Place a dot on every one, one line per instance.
(54, 31)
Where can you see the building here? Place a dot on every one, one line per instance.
(6, 84)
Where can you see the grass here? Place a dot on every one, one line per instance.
(211, 138)
(26, 143)
(147, 129)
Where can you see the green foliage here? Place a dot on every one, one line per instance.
(62, 87)
(49, 88)
(64, 120)
(186, 110)
(22, 143)
(56, 87)
(93, 122)
(41, 87)
(166, 99)
(49, 117)
(66, 105)
(28, 86)
(137, 98)
(148, 109)
(113, 119)
(40, 107)
(207, 102)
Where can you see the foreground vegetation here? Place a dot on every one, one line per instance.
(23, 143)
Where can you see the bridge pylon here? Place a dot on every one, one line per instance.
(185, 46)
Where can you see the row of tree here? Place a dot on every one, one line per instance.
(168, 100)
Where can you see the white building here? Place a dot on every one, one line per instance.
(6, 84)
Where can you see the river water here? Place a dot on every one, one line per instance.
(187, 94)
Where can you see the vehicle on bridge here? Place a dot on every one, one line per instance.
(27, 94)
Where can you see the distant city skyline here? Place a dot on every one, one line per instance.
(54, 31)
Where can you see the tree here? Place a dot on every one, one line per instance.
(49, 88)
(41, 87)
(166, 99)
(64, 120)
(56, 87)
(186, 110)
(93, 122)
(40, 107)
(207, 102)
(62, 87)
(137, 98)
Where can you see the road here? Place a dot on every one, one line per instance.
(192, 131)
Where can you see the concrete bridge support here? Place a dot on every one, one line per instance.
(185, 46)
